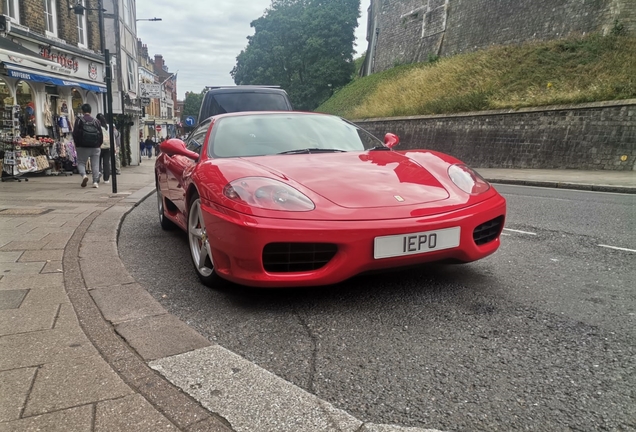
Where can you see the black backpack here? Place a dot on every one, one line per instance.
(90, 133)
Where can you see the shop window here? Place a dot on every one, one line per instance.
(50, 12)
(12, 9)
(77, 101)
(25, 99)
(82, 35)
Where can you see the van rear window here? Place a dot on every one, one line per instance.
(230, 102)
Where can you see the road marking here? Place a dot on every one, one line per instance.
(618, 248)
(520, 232)
(504, 234)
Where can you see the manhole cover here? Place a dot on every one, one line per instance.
(24, 211)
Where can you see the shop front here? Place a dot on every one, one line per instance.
(41, 92)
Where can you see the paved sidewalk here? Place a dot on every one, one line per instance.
(83, 347)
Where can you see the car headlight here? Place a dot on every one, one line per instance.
(268, 194)
(467, 180)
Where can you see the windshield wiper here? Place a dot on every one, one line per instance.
(380, 147)
(312, 150)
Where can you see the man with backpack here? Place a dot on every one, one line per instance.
(88, 137)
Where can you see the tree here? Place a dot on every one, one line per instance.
(192, 103)
(304, 46)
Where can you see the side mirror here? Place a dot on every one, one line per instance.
(391, 140)
(175, 146)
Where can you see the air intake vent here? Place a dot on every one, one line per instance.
(488, 231)
(297, 257)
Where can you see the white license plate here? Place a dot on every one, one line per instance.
(416, 243)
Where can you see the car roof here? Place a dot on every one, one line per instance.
(264, 113)
(245, 89)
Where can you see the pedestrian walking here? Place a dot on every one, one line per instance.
(149, 146)
(104, 156)
(88, 137)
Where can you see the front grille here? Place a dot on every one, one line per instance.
(488, 231)
(297, 257)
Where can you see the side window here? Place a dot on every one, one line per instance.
(195, 141)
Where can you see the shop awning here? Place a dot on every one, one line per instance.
(23, 73)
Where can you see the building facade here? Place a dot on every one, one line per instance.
(50, 64)
(120, 30)
(409, 31)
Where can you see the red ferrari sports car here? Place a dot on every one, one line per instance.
(281, 199)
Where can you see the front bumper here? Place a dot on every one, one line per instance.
(238, 240)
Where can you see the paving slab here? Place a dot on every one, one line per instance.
(28, 319)
(36, 348)
(11, 299)
(22, 268)
(126, 302)
(31, 281)
(73, 382)
(9, 257)
(79, 419)
(131, 413)
(67, 321)
(14, 389)
(95, 276)
(249, 397)
(160, 336)
(42, 255)
(22, 246)
(44, 296)
(52, 267)
(96, 250)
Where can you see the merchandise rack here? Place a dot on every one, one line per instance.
(9, 133)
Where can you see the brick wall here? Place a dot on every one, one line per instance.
(411, 30)
(592, 137)
(32, 16)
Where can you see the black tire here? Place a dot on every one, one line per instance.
(165, 223)
(199, 245)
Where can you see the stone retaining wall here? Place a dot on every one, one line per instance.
(598, 136)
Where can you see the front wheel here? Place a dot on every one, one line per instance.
(200, 250)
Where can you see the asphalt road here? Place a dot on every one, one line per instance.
(539, 336)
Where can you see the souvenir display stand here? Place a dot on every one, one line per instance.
(9, 144)
(40, 154)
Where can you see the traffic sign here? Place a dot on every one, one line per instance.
(190, 121)
(158, 128)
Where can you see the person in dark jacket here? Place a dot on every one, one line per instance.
(88, 137)
(149, 145)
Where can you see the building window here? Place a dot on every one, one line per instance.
(81, 28)
(132, 83)
(128, 12)
(51, 17)
(12, 9)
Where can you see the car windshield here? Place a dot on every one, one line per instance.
(269, 134)
(230, 102)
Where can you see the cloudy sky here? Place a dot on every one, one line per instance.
(201, 39)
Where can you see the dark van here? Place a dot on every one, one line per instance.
(219, 100)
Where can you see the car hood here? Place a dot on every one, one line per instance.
(358, 180)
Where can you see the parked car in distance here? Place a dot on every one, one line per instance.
(285, 199)
(221, 100)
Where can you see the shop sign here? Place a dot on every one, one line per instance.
(74, 66)
(145, 101)
(67, 62)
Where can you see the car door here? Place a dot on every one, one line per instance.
(180, 166)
